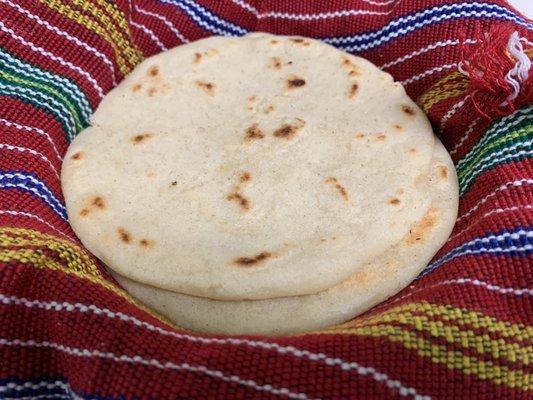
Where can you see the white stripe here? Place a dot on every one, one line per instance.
(456, 252)
(31, 151)
(495, 211)
(197, 19)
(52, 81)
(318, 16)
(445, 43)
(474, 174)
(458, 281)
(446, 11)
(188, 5)
(499, 250)
(33, 95)
(481, 166)
(33, 129)
(479, 162)
(67, 36)
(331, 14)
(451, 112)
(326, 15)
(504, 187)
(289, 350)
(490, 134)
(40, 396)
(428, 73)
(151, 34)
(469, 130)
(164, 20)
(34, 191)
(47, 192)
(55, 58)
(33, 216)
(12, 386)
(494, 288)
(494, 130)
(151, 362)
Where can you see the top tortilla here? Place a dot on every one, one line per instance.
(248, 168)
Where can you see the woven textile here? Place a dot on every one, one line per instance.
(463, 329)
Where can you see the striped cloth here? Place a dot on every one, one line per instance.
(463, 329)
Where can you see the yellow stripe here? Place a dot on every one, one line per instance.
(446, 93)
(76, 16)
(487, 149)
(41, 261)
(486, 370)
(451, 85)
(460, 316)
(67, 250)
(117, 15)
(134, 54)
(482, 343)
(37, 259)
(48, 89)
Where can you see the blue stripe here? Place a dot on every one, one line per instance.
(46, 385)
(410, 23)
(32, 184)
(515, 242)
(17, 388)
(63, 85)
(370, 39)
(207, 19)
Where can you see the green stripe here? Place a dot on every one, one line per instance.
(503, 125)
(512, 137)
(13, 91)
(61, 84)
(70, 108)
(495, 148)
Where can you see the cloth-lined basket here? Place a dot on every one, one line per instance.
(463, 329)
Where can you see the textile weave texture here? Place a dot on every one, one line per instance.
(462, 330)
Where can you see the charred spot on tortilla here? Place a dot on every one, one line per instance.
(342, 191)
(77, 156)
(243, 202)
(352, 92)
(421, 229)
(208, 87)
(153, 71)
(98, 202)
(394, 201)
(253, 132)
(275, 63)
(146, 243)
(288, 131)
(294, 82)
(300, 41)
(249, 261)
(124, 235)
(408, 110)
(443, 171)
(141, 138)
(245, 177)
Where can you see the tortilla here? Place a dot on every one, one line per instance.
(368, 286)
(248, 168)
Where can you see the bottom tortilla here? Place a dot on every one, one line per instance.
(370, 285)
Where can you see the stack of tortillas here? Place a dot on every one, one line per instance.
(264, 185)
